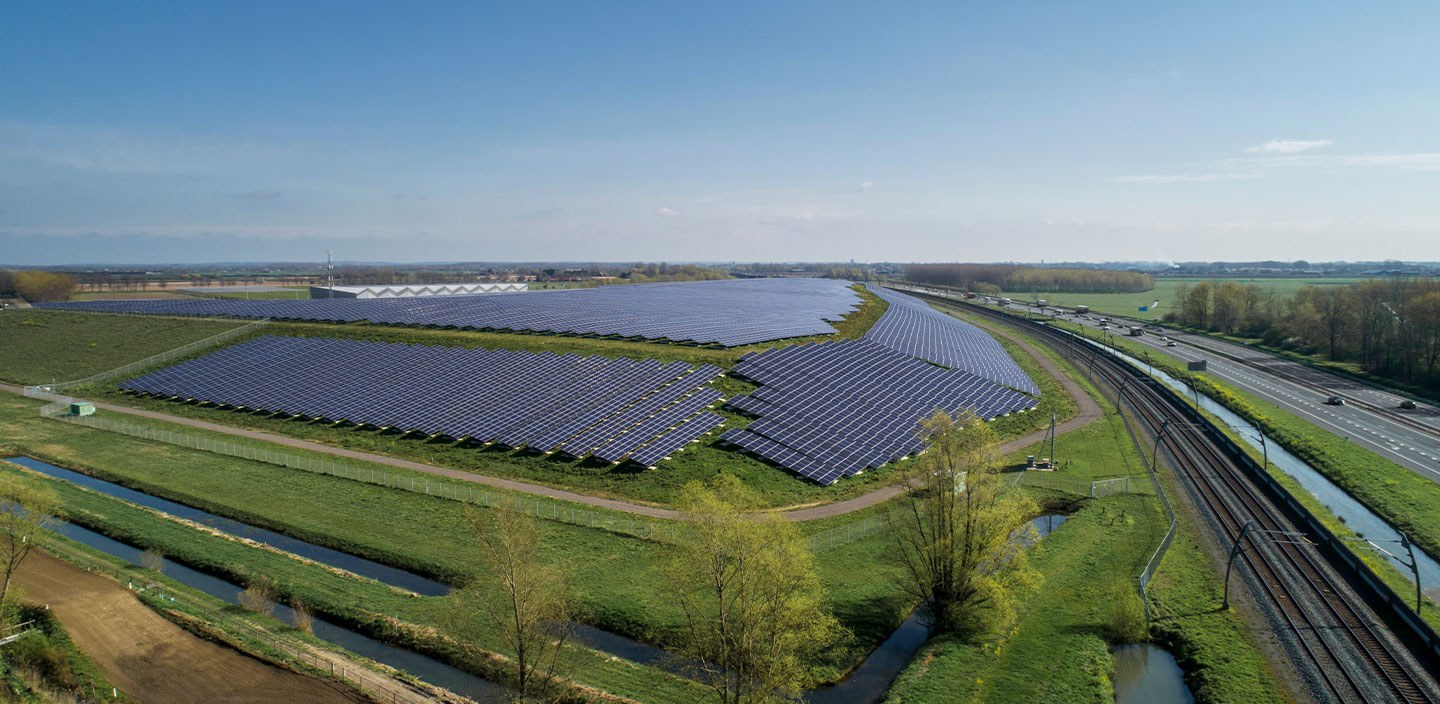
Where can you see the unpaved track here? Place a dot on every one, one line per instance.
(149, 657)
(1088, 412)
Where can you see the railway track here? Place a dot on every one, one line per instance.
(1352, 656)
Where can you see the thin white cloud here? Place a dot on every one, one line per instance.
(865, 185)
(1288, 146)
(1286, 157)
(1185, 178)
(666, 212)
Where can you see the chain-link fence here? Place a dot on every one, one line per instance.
(131, 368)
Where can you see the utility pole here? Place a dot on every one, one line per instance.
(1411, 563)
(1230, 564)
(1054, 463)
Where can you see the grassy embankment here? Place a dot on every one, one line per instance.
(1402, 497)
(421, 533)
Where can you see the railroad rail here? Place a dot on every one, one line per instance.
(1332, 628)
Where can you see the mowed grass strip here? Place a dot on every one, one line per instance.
(365, 605)
(619, 585)
(43, 346)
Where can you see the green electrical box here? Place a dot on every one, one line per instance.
(82, 408)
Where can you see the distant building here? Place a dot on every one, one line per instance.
(415, 290)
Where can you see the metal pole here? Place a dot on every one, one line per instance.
(1415, 568)
(1264, 446)
(1230, 564)
(1155, 453)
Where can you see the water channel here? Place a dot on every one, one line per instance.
(1355, 515)
(866, 684)
(1148, 674)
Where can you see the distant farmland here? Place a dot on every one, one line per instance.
(1130, 303)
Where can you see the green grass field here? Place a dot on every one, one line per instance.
(41, 346)
(1129, 303)
(1061, 627)
(422, 533)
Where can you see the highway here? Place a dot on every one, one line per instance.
(1371, 417)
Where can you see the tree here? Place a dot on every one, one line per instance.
(38, 286)
(952, 535)
(1229, 306)
(521, 597)
(27, 514)
(1195, 307)
(752, 601)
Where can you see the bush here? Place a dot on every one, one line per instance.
(1125, 615)
(258, 597)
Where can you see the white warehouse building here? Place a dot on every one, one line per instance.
(411, 291)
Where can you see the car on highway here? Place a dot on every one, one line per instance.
(1334, 401)
(1170, 343)
(1407, 404)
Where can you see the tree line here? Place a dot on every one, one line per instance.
(1389, 326)
(36, 286)
(995, 278)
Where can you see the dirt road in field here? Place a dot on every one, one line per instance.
(150, 658)
(1088, 412)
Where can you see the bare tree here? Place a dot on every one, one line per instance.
(952, 534)
(27, 513)
(258, 597)
(520, 596)
(301, 614)
(153, 560)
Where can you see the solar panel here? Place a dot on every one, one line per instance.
(835, 409)
(727, 313)
(911, 326)
(671, 442)
(517, 398)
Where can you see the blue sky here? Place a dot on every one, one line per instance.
(154, 132)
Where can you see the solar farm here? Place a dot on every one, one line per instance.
(726, 313)
(825, 410)
(832, 410)
(613, 409)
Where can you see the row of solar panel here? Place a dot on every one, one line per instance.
(833, 410)
(612, 408)
(727, 313)
(911, 326)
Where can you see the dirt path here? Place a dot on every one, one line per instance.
(151, 658)
(1088, 412)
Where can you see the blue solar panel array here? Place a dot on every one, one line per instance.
(911, 326)
(834, 409)
(727, 313)
(622, 409)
